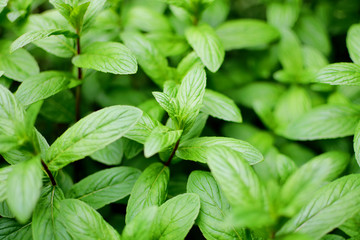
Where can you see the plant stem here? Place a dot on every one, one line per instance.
(272, 234)
(78, 166)
(48, 172)
(78, 101)
(195, 21)
(173, 153)
(80, 76)
(196, 16)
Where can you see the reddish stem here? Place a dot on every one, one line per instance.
(173, 153)
(48, 172)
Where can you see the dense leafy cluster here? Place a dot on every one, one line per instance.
(120, 119)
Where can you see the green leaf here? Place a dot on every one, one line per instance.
(105, 186)
(249, 96)
(326, 121)
(32, 113)
(246, 33)
(313, 32)
(236, 178)
(357, 143)
(147, 20)
(314, 60)
(43, 144)
(4, 174)
(3, 4)
(18, 65)
(64, 181)
(187, 63)
(276, 167)
(83, 222)
(283, 15)
(108, 57)
(301, 185)
(220, 106)
(110, 155)
(261, 139)
(214, 207)
(19, 155)
(158, 6)
(340, 74)
(194, 7)
(16, 14)
(197, 127)
(59, 108)
(23, 188)
(290, 53)
(8, 143)
(196, 149)
(38, 35)
(216, 13)
(6, 82)
(5, 210)
(12, 230)
(168, 43)
(330, 207)
(142, 128)
(42, 86)
(176, 216)
(90, 134)
(295, 236)
(352, 43)
(290, 106)
(179, 3)
(15, 156)
(150, 189)
(264, 110)
(45, 222)
(350, 226)
(77, 14)
(59, 45)
(131, 148)
(207, 46)
(92, 12)
(251, 218)
(190, 97)
(63, 6)
(151, 107)
(171, 89)
(332, 237)
(165, 102)
(149, 57)
(142, 226)
(160, 139)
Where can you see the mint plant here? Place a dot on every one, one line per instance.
(121, 120)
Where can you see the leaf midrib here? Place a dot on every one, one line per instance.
(326, 207)
(86, 135)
